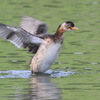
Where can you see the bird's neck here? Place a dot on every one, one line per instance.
(59, 32)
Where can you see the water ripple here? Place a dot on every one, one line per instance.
(27, 74)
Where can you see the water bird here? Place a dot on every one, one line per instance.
(33, 34)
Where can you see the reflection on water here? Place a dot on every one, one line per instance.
(43, 89)
(29, 88)
(21, 85)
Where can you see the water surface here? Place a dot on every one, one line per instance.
(76, 73)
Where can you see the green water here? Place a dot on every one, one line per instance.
(80, 52)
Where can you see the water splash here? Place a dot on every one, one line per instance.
(15, 74)
(59, 73)
(27, 74)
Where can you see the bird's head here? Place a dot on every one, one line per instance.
(67, 26)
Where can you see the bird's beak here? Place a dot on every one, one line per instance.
(74, 28)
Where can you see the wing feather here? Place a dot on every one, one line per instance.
(33, 25)
(18, 36)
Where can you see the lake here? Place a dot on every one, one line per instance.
(76, 73)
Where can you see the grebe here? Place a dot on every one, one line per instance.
(33, 34)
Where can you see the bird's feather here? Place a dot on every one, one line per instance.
(18, 36)
(33, 25)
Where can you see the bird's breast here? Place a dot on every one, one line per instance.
(46, 55)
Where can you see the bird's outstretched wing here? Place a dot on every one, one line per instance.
(33, 25)
(20, 37)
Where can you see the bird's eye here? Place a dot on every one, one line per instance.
(67, 26)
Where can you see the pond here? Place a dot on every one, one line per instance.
(76, 73)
